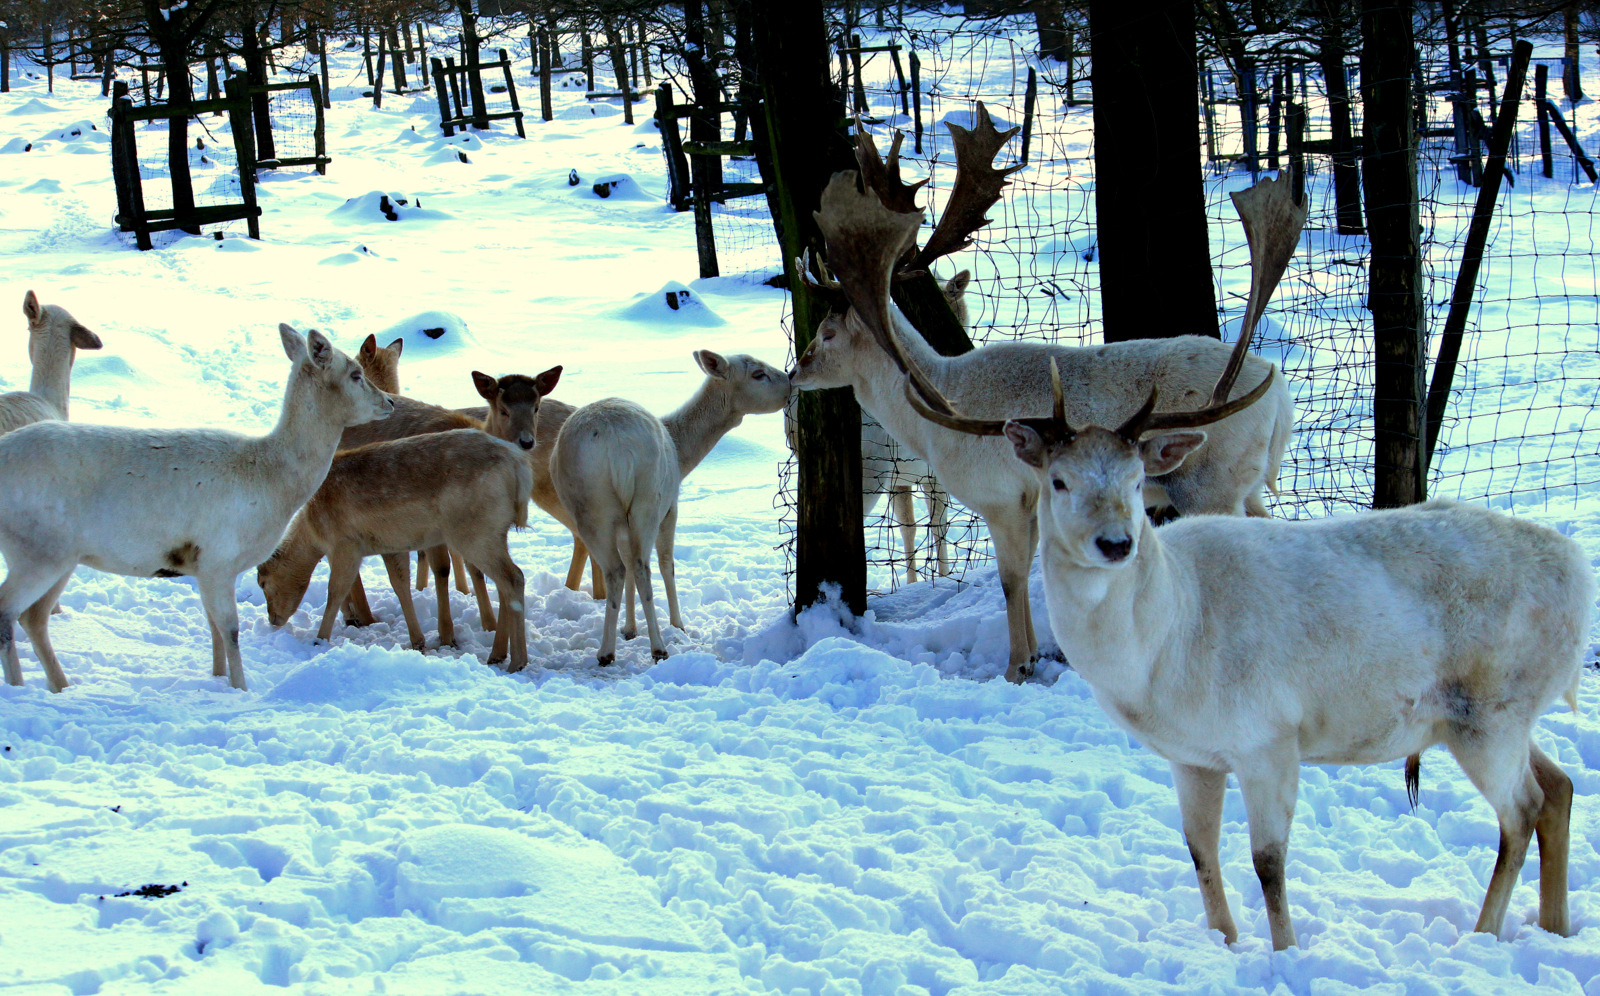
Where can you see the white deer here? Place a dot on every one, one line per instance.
(54, 338)
(1240, 459)
(1254, 646)
(167, 502)
(617, 470)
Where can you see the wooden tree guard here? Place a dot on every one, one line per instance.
(447, 79)
(1541, 78)
(1554, 114)
(132, 216)
(689, 185)
(1028, 99)
(320, 159)
(1455, 322)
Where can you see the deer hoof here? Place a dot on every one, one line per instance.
(659, 655)
(496, 661)
(606, 659)
(630, 634)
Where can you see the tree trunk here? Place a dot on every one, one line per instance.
(1150, 207)
(1052, 27)
(800, 146)
(255, 73)
(704, 126)
(1570, 75)
(1388, 56)
(1346, 176)
(174, 49)
(471, 45)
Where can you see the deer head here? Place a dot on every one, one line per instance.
(870, 220)
(514, 404)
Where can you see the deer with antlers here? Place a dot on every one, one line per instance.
(1363, 638)
(871, 236)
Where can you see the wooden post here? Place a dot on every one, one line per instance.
(1554, 114)
(1541, 80)
(244, 143)
(399, 60)
(1461, 102)
(546, 109)
(1455, 322)
(916, 98)
(124, 168)
(383, 55)
(1247, 115)
(672, 146)
(1346, 175)
(441, 90)
(855, 69)
(1570, 64)
(1208, 103)
(469, 38)
(366, 52)
(1072, 62)
(1274, 119)
(322, 59)
(899, 75)
(320, 128)
(801, 147)
(1151, 208)
(1027, 113)
(1294, 126)
(454, 79)
(422, 52)
(1395, 287)
(511, 93)
(588, 62)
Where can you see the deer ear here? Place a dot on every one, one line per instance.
(319, 348)
(957, 285)
(713, 364)
(82, 338)
(1028, 444)
(488, 387)
(369, 346)
(396, 347)
(31, 306)
(546, 382)
(294, 346)
(1164, 454)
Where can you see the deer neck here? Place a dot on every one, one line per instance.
(880, 387)
(52, 375)
(1113, 625)
(695, 428)
(302, 444)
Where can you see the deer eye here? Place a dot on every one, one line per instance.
(1058, 484)
(355, 376)
(759, 375)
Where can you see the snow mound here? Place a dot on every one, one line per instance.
(590, 110)
(446, 156)
(16, 145)
(379, 206)
(431, 332)
(410, 136)
(469, 878)
(673, 304)
(349, 256)
(35, 106)
(965, 119)
(79, 131)
(619, 187)
(366, 678)
(99, 367)
(42, 186)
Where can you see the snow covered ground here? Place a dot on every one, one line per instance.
(822, 808)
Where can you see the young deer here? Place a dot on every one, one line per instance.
(381, 364)
(1255, 646)
(509, 405)
(1240, 459)
(167, 502)
(54, 338)
(617, 469)
(460, 488)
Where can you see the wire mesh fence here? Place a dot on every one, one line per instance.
(1522, 431)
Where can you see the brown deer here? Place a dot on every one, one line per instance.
(462, 489)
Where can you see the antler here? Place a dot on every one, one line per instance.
(1272, 225)
(882, 175)
(865, 240)
(823, 284)
(976, 189)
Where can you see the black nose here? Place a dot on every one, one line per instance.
(1114, 550)
(526, 444)
(794, 372)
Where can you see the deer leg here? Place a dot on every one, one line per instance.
(511, 638)
(597, 578)
(216, 594)
(422, 570)
(669, 569)
(461, 573)
(36, 623)
(1269, 785)
(219, 652)
(905, 513)
(1200, 792)
(613, 570)
(356, 610)
(480, 591)
(441, 558)
(580, 557)
(630, 628)
(937, 502)
(638, 558)
(343, 568)
(1552, 827)
(25, 584)
(1502, 768)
